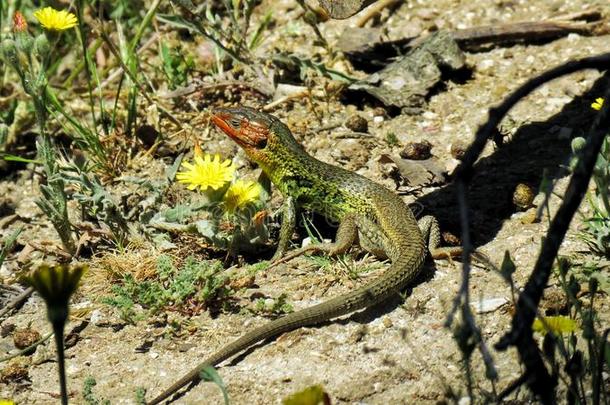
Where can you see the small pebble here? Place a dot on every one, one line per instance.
(465, 401)
(458, 149)
(23, 338)
(416, 151)
(6, 329)
(97, 317)
(488, 304)
(523, 196)
(554, 302)
(530, 217)
(387, 322)
(451, 239)
(14, 372)
(357, 123)
(269, 303)
(380, 112)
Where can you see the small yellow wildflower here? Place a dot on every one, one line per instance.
(597, 105)
(240, 194)
(55, 20)
(559, 325)
(57, 283)
(206, 172)
(6, 402)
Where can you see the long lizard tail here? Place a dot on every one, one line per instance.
(397, 276)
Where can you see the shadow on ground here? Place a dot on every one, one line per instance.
(536, 150)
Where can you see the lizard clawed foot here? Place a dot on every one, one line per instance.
(296, 253)
(447, 253)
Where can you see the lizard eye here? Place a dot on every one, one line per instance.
(235, 122)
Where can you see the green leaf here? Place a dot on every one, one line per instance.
(14, 158)
(9, 243)
(210, 374)
(206, 228)
(508, 267)
(178, 214)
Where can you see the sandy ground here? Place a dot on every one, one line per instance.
(400, 352)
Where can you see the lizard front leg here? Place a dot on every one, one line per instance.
(289, 221)
(346, 236)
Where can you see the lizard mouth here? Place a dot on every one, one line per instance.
(247, 133)
(222, 119)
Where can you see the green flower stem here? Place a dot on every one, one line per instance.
(58, 330)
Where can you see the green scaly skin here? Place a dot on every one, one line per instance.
(383, 223)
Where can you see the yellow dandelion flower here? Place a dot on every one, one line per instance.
(240, 194)
(559, 325)
(597, 105)
(206, 172)
(55, 20)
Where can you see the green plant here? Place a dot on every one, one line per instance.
(30, 57)
(210, 374)
(391, 139)
(8, 244)
(596, 231)
(176, 66)
(583, 367)
(230, 206)
(278, 306)
(96, 203)
(199, 283)
(231, 37)
(56, 285)
(88, 395)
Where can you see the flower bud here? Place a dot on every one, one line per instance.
(19, 22)
(25, 42)
(9, 51)
(41, 45)
(578, 144)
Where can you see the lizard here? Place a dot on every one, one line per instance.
(367, 213)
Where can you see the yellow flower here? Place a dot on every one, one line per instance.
(556, 324)
(55, 20)
(597, 105)
(240, 194)
(206, 172)
(6, 402)
(56, 284)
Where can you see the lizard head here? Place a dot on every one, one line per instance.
(265, 138)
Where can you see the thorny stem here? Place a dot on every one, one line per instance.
(521, 335)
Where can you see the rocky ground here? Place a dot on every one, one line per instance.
(397, 353)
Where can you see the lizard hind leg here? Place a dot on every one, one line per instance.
(346, 236)
(432, 234)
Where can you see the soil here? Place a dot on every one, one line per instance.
(400, 352)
